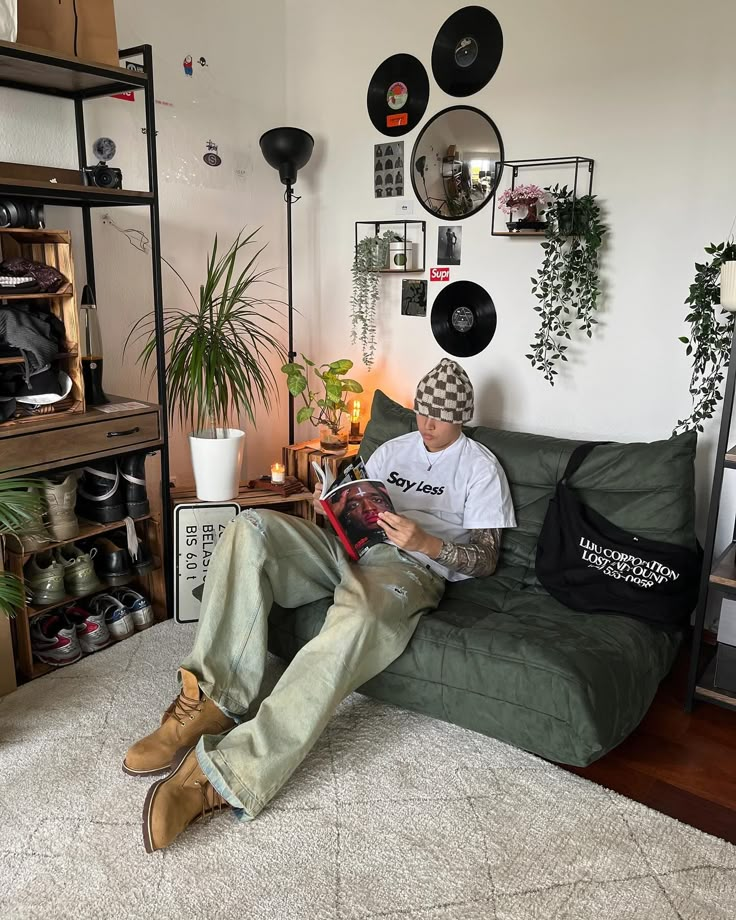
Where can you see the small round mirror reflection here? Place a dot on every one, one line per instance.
(454, 162)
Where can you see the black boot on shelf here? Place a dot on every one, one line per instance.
(100, 492)
(138, 551)
(133, 473)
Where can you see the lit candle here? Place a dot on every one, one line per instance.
(278, 473)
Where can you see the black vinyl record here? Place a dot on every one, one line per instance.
(463, 319)
(398, 94)
(467, 51)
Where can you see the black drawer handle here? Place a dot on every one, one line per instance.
(122, 434)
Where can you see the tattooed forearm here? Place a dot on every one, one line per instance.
(477, 558)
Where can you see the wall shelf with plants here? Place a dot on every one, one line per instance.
(530, 198)
(381, 246)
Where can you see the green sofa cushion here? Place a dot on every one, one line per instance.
(500, 655)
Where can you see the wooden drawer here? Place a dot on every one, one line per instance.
(96, 435)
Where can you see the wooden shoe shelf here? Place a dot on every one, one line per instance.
(151, 585)
(65, 440)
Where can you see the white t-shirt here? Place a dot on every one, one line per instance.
(464, 490)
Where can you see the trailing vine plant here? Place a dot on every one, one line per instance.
(567, 283)
(371, 256)
(710, 337)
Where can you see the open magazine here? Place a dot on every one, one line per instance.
(352, 506)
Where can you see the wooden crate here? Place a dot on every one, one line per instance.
(54, 247)
(298, 460)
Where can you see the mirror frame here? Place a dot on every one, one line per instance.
(502, 157)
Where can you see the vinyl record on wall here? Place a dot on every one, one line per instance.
(463, 319)
(398, 94)
(467, 51)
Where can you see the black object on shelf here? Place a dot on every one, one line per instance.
(377, 224)
(537, 227)
(288, 150)
(51, 74)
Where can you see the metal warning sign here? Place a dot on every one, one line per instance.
(197, 528)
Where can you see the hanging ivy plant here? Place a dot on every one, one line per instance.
(710, 337)
(371, 255)
(567, 283)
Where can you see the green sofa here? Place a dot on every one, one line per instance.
(502, 657)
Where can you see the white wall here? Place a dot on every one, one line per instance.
(240, 94)
(646, 89)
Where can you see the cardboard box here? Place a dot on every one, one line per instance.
(89, 34)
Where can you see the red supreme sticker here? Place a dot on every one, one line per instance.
(439, 274)
(398, 120)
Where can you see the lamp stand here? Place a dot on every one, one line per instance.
(288, 196)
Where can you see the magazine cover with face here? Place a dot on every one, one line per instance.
(352, 506)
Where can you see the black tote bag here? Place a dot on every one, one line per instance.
(589, 564)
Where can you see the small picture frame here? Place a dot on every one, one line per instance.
(413, 298)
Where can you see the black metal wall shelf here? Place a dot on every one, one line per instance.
(38, 71)
(580, 164)
(405, 224)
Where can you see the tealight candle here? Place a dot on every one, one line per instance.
(278, 473)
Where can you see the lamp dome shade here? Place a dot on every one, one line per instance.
(288, 150)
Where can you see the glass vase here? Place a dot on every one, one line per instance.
(334, 442)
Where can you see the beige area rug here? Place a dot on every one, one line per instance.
(394, 816)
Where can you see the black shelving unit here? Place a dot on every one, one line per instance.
(717, 578)
(46, 73)
(376, 227)
(579, 164)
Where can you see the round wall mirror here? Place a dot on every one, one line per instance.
(454, 162)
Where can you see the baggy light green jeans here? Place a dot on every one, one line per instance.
(265, 556)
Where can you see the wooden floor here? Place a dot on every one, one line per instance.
(682, 765)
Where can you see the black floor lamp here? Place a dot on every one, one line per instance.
(288, 150)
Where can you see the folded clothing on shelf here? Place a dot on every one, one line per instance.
(46, 276)
(18, 284)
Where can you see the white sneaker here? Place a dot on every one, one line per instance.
(138, 605)
(117, 616)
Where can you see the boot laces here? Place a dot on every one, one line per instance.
(209, 809)
(185, 709)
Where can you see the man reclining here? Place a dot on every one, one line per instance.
(452, 500)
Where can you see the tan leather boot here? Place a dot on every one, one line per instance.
(190, 716)
(173, 803)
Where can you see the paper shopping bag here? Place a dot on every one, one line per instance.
(83, 29)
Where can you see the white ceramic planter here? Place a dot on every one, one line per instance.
(728, 286)
(216, 462)
(400, 259)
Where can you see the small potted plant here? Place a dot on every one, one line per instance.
(531, 197)
(216, 364)
(325, 407)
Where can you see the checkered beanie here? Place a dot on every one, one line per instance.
(445, 393)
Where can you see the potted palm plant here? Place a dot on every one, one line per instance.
(326, 406)
(216, 364)
(20, 512)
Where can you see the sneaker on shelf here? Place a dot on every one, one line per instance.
(54, 640)
(44, 579)
(79, 571)
(139, 606)
(33, 536)
(116, 615)
(60, 497)
(92, 630)
(112, 562)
